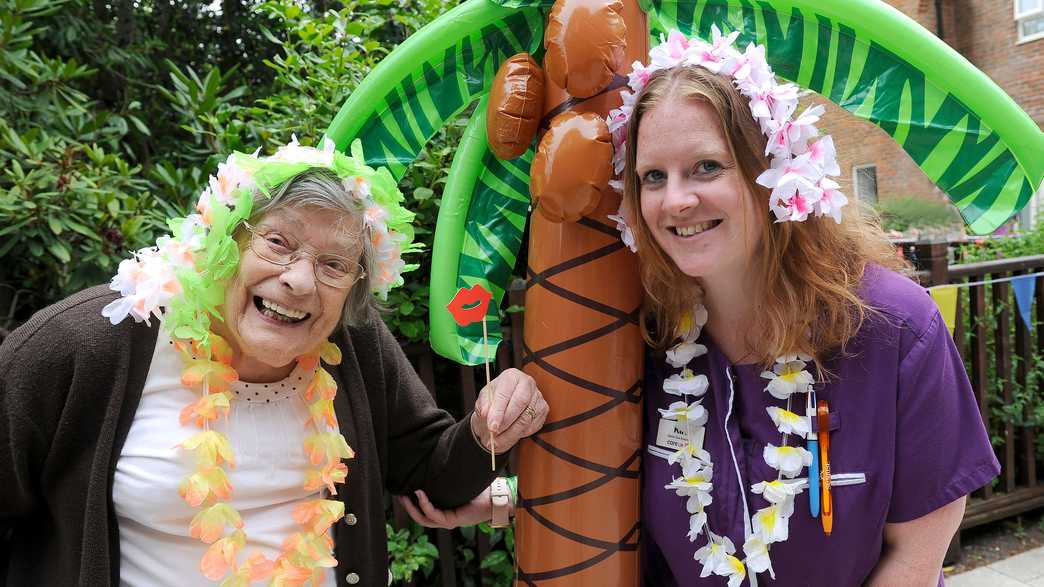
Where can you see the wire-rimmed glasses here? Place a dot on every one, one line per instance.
(279, 249)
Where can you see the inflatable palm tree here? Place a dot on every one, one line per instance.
(964, 132)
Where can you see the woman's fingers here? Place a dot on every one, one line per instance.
(529, 421)
(521, 396)
(511, 407)
(511, 392)
(426, 515)
(436, 515)
(414, 513)
(501, 390)
(482, 403)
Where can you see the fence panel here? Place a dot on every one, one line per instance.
(1024, 354)
(1002, 356)
(979, 371)
(1003, 361)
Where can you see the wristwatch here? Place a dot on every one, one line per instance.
(500, 496)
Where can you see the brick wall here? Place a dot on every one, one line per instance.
(988, 38)
(984, 32)
(862, 143)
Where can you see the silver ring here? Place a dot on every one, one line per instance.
(532, 413)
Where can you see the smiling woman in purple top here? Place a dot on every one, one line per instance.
(757, 313)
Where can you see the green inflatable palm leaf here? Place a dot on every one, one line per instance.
(418, 88)
(481, 221)
(967, 135)
(430, 78)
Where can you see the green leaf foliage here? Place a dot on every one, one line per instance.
(1005, 247)
(72, 199)
(906, 212)
(410, 551)
(111, 122)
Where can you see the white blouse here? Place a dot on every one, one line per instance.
(266, 428)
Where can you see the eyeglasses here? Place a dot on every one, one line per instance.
(274, 247)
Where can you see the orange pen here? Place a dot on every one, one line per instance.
(823, 417)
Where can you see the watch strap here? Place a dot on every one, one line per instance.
(500, 496)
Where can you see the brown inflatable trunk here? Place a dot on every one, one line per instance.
(578, 520)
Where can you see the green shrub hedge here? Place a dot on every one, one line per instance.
(914, 212)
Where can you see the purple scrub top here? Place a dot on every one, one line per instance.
(906, 436)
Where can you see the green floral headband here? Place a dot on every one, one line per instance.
(181, 280)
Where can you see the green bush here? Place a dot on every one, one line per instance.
(71, 203)
(1007, 247)
(84, 179)
(912, 212)
(410, 551)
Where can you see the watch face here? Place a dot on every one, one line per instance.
(499, 488)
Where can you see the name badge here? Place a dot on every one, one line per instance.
(672, 434)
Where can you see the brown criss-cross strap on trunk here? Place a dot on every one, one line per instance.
(577, 521)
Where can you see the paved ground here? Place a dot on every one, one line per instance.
(1021, 570)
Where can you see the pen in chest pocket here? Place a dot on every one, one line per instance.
(813, 447)
(823, 419)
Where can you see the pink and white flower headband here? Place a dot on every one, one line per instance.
(800, 169)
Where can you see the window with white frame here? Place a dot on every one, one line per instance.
(865, 178)
(1029, 19)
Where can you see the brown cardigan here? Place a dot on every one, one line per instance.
(70, 384)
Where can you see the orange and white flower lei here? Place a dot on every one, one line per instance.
(305, 554)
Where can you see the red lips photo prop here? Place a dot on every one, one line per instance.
(469, 304)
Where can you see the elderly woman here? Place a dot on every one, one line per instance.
(203, 440)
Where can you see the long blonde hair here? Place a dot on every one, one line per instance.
(807, 274)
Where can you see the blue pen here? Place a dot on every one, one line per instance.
(813, 447)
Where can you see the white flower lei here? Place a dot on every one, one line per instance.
(799, 172)
(770, 524)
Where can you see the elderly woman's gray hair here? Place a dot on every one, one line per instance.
(321, 188)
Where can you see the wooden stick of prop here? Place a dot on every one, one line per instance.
(485, 355)
(467, 307)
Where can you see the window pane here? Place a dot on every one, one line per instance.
(1026, 6)
(866, 183)
(1031, 26)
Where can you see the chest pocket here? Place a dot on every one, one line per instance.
(842, 476)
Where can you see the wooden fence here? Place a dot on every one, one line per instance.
(989, 334)
(1005, 362)
(912, 249)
